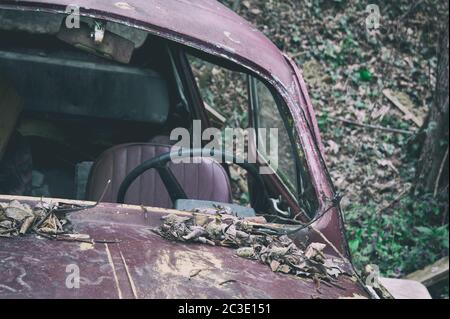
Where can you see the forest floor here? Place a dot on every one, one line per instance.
(353, 77)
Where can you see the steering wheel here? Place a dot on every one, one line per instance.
(172, 185)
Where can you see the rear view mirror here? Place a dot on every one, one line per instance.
(102, 43)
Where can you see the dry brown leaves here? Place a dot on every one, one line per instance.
(20, 219)
(280, 253)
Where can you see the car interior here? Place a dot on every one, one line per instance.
(98, 101)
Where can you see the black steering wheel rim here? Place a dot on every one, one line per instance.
(161, 161)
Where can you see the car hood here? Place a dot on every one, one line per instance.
(131, 261)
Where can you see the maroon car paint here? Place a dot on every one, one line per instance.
(141, 264)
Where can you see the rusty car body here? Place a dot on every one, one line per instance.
(141, 264)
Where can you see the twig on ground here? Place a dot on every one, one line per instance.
(392, 203)
(441, 169)
(405, 110)
(373, 127)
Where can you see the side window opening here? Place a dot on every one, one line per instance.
(267, 116)
(291, 167)
(238, 100)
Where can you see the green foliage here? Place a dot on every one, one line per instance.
(245, 199)
(400, 240)
(365, 75)
(322, 120)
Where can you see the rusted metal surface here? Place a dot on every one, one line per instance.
(141, 265)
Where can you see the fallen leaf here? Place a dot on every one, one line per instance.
(314, 250)
(274, 265)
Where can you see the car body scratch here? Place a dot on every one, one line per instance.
(116, 280)
(130, 279)
(20, 280)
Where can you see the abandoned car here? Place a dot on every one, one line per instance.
(93, 204)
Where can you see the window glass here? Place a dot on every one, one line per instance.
(267, 116)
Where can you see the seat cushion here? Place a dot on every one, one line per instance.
(203, 181)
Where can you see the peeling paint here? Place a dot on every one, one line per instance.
(86, 246)
(20, 280)
(123, 5)
(228, 35)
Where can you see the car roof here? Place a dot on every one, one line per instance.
(205, 24)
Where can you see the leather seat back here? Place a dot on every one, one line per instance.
(204, 181)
